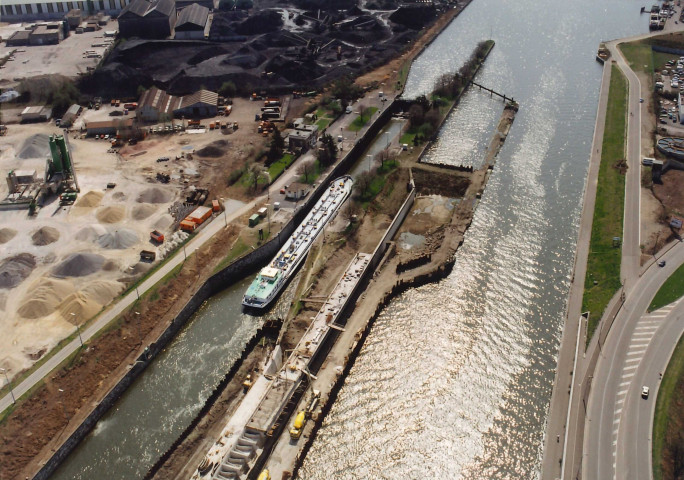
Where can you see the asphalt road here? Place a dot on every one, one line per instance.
(203, 236)
(615, 378)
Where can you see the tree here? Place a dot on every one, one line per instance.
(346, 90)
(256, 171)
(366, 112)
(228, 89)
(275, 151)
(416, 115)
(328, 152)
(306, 169)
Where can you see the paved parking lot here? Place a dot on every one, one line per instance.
(68, 58)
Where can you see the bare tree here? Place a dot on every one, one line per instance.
(257, 172)
(306, 169)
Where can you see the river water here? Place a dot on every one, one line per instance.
(169, 393)
(455, 379)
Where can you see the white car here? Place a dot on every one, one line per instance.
(644, 392)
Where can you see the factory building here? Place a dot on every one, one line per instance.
(109, 127)
(13, 11)
(40, 34)
(156, 105)
(192, 23)
(147, 19)
(201, 104)
(36, 114)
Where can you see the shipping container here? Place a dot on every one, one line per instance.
(157, 236)
(262, 212)
(254, 220)
(188, 225)
(215, 206)
(199, 215)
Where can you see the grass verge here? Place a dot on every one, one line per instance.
(362, 120)
(278, 167)
(603, 263)
(671, 383)
(671, 290)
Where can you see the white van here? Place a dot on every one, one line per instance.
(349, 109)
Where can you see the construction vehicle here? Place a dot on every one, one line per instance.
(194, 123)
(147, 256)
(264, 475)
(3, 130)
(298, 425)
(247, 384)
(157, 236)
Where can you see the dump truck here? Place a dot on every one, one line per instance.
(188, 226)
(157, 236)
(298, 425)
(147, 256)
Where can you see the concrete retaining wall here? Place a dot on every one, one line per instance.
(239, 269)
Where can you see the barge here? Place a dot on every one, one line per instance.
(272, 278)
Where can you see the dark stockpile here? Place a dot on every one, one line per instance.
(14, 270)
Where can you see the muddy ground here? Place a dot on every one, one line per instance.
(274, 46)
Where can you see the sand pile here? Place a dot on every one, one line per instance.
(7, 234)
(79, 265)
(111, 266)
(81, 306)
(154, 195)
(90, 233)
(90, 199)
(45, 236)
(141, 212)
(36, 146)
(119, 196)
(102, 291)
(14, 270)
(43, 298)
(111, 214)
(118, 239)
(164, 222)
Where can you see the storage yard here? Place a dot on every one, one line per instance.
(67, 262)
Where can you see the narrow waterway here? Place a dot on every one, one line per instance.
(167, 396)
(456, 377)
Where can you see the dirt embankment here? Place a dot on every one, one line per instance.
(38, 425)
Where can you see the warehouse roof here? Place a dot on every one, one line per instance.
(193, 16)
(142, 8)
(201, 96)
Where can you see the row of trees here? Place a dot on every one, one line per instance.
(449, 85)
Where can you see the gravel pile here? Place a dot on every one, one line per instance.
(14, 270)
(45, 236)
(7, 234)
(154, 195)
(141, 212)
(111, 214)
(118, 239)
(90, 199)
(43, 298)
(90, 233)
(79, 265)
(36, 146)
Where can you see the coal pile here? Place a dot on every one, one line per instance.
(213, 150)
(261, 22)
(154, 195)
(414, 16)
(16, 269)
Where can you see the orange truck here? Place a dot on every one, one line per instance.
(188, 225)
(215, 206)
(157, 236)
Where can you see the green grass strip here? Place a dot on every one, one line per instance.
(673, 377)
(671, 290)
(277, 168)
(361, 120)
(603, 263)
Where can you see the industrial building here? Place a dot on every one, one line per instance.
(302, 136)
(109, 127)
(39, 34)
(201, 104)
(70, 116)
(35, 114)
(147, 19)
(156, 104)
(193, 23)
(28, 10)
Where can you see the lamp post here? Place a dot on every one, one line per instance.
(132, 270)
(370, 159)
(78, 329)
(63, 408)
(388, 139)
(223, 204)
(14, 400)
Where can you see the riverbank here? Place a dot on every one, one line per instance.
(87, 389)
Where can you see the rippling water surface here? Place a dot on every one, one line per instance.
(456, 377)
(165, 398)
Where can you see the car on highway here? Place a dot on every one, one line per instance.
(641, 100)
(644, 392)
(662, 263)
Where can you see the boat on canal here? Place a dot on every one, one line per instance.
(272, 278)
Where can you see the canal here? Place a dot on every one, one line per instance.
(456, 377)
